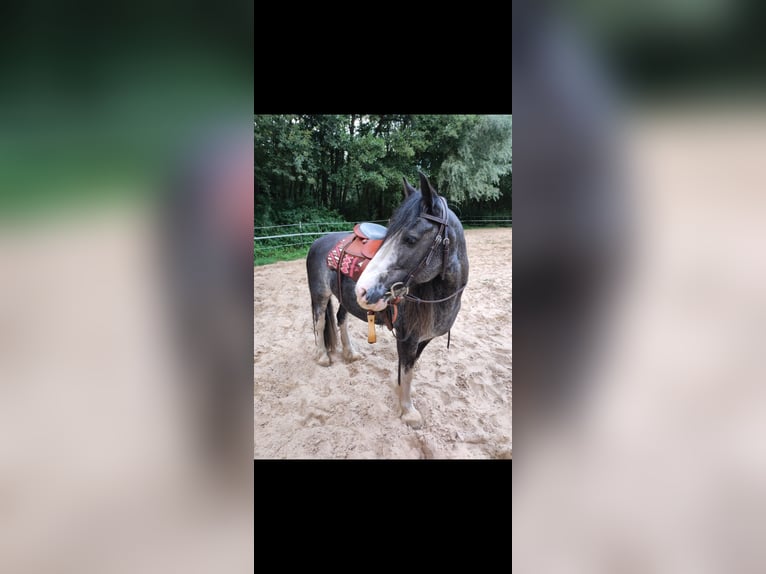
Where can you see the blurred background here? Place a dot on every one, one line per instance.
(641, 133)
(126, 188)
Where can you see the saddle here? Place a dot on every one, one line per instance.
(352, 253)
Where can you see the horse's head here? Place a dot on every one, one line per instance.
(411, 252)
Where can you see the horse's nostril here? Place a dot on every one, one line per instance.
(373, 295)
(361, 292)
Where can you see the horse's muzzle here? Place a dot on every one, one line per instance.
(371, 300)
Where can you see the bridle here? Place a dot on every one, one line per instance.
(401, 289)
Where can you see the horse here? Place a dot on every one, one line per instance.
(417, 277)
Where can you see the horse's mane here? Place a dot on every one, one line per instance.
(419, 318)
(405, 215)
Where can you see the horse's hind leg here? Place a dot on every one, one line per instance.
(324, 330)
(319, 279)
(349, 352)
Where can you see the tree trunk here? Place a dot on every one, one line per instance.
(334, 186)
(324, 187)
(337, 161)
(381, 204)
(370, 202)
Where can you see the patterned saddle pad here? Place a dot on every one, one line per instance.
(352, 253)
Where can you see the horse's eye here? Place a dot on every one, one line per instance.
(410, 239)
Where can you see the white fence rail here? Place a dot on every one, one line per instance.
(295, 234)
(265, 243)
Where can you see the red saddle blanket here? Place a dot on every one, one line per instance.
(352, 253)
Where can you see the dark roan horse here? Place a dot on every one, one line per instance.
(421, 269)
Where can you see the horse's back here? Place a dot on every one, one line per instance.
(319, 273)
(321, 247)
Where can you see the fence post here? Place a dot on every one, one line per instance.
(300, 226)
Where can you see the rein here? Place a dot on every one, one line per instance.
(419, 300)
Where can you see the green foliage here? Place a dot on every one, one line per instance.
(483, 155)
(338, 168)
(291, 221)
(306, 215)
(320, 173)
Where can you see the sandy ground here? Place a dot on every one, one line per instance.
(349, 410)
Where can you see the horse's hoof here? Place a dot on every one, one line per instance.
(413, 419)
(351, 356)
(323, 360)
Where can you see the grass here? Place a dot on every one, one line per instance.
(288, 254)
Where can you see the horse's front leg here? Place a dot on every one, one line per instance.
(349, 352)
(409, 350)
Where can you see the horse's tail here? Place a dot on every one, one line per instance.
(330, 336)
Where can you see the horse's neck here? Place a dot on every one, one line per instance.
(442, 287)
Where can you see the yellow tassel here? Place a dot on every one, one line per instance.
(370, 326)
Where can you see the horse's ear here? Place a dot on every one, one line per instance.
(429, 193)
(408, 189)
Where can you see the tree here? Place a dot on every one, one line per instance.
(353, 163)
(483, 155)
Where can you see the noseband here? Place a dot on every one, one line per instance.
(401, 289)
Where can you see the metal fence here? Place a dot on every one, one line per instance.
(494, 220)
(269, 237)
(267, 240)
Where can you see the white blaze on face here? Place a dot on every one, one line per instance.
(384, 259)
